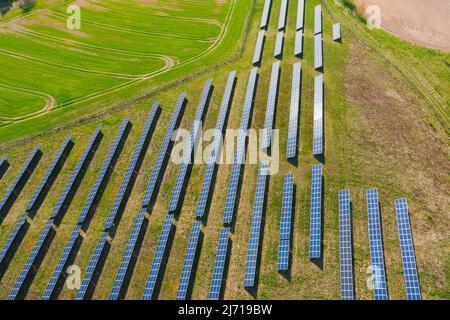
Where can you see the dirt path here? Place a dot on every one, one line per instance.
(424, 22)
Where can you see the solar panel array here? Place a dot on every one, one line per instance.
(139, 151)
(255, 229)
(18, 285)
(300, 15)
(258, 48)
(318, 116)
(286, 222)
(15, 186)
(298, 50)
(49, 290)
(318, 52)
(48, 177)
(157, 260)
(219, 264)
(291, 150)
(283, 14)
(13, 237)
(93, 262)
(315, 227)
(270, 109)
(215, 150)
(148, 196)
(336, 32)
(345, 246)
(265, 15)
(102, 175)
(318, 19)
(4, 165)
(240, 149)
(279, 45)
(188, 261)
(407, 248)
(194, 135)
(376, 246)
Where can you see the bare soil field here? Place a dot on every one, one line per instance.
(424, 22)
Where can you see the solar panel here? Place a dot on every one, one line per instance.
(194, 136)
(85, 284)
(240, 149)
(159, 256)
(407, 248)
(291, 150)
(376, 246)
(279, 45)
(133, 167)
(300, 15)
(148, 196)
(270, 109)
(13, 238)
(49, 176)
(102, 175)
(286, 222)
(188, 261)
(258, 48)
(265, 15)
(16, 186)
(77, 173)
(4, 165)
(345, 246)
(18, 285)
(255, 230)
(336, 32)
(315, 228)
(62, 264)
(318, 116)
(283, 13)
(219, 265)
(215, 150)
(298, 50)
(318, 52)
(318, 19)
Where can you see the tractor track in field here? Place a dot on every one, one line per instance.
(33, 12)
(407, 71)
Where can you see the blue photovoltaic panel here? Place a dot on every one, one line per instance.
(219, 265)
(12, 238)
(61, 264)
(298, 50)
(345, 246)
(258, 48)
(407, 248)
(77, 172)
(240, 149)
(286, 221)
(45, 183)
(92, 266)
(255, 230)
(318, 51)
(376, 246)
(139, 151)
(315, 228)
(279, 45)
(148, 196)
(4, 165)
(30, 262)
(265, 15)
(300, 15)
(26, 169)
(188, 261)
(336, 32)
(126, 259)
(318, 19)
(318, 116)
(159, 256)
(270, 109)
(187, 159)
(103, 171)
(291, 150)
(283, 13)
(215, 150)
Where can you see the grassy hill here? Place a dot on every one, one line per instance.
(385, 127)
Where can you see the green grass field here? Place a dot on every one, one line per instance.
(382, 130)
